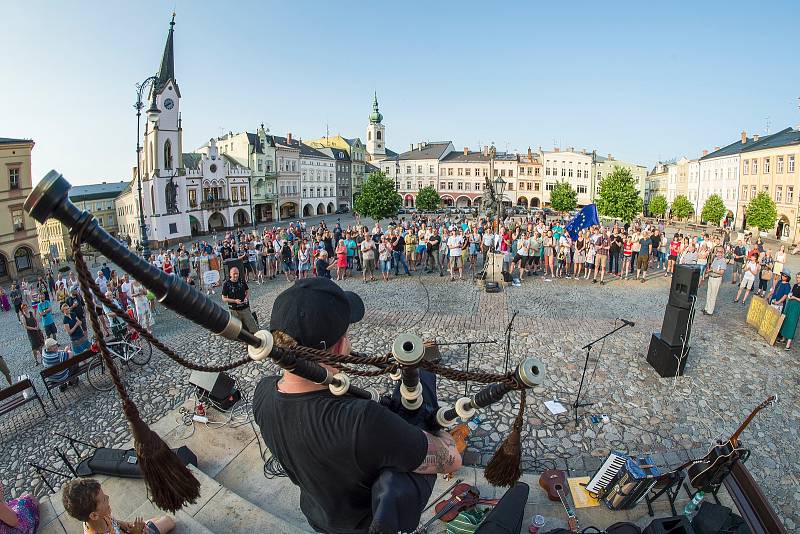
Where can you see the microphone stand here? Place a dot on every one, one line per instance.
(508, 341)
(469, 350)
(588, 348)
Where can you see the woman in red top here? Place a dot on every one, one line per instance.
(674, 252)
(167, 266)
(505, 242)
(627, 254)
(341, 260)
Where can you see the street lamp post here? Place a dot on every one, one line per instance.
(397, 174)
(152, 114)
(499, 187)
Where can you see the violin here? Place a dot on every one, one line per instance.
(463, 497)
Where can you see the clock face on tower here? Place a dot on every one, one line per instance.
(168, 103)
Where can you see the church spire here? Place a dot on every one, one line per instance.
(375, 116)
(167, 70)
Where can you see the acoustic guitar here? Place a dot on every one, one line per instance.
(710, 470)
(553, 481)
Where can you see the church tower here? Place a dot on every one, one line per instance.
(163, 135)
(376, 133)
(163, 175)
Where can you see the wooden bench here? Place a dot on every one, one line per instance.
(12, 397)
(78, 365)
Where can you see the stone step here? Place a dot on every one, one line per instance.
(124, 495)
(218, 510)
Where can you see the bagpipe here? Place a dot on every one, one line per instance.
(170, 484)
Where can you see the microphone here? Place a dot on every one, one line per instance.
(626, 322)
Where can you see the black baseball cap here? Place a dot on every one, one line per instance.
(316, 312)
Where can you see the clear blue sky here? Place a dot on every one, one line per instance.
(639, 80)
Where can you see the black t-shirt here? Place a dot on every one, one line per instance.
(656, 241)
(399, 244)
(227, 252)
(322, 268)
(235, 290)
(76, 299)
(334, 448)
(433, 242)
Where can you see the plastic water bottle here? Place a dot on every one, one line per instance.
(537, 523)
(692, 506)
(474, 422)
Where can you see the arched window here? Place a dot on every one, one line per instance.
(168, 155)
(23, 259)
(378, 135)
(369, 136)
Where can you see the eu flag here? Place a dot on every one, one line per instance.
(586, 218)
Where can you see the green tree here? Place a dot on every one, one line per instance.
(618, 197)
(428, 199)
(563, 197)
(681, 207)
(714, 209)
(658, 205)
(761, 212)
(378, 199)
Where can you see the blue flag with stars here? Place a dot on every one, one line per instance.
(586, 218)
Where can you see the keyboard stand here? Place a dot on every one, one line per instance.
(672, 489)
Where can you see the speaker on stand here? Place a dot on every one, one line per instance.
(669, 349)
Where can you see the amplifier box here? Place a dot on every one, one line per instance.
(683, 285)
(217, 386)
(666, 359)
(676, 325)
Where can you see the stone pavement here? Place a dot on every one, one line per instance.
(730, 370)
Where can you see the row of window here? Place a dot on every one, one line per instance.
(97, 206)
(731, 174)
(320, 192)
(261, 164)
(287, 165)
(750, 166)
(319, 176)
(567, 173)
(778, 192)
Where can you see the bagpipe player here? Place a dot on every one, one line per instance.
(360, 466)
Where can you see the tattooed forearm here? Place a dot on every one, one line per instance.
(442, 455)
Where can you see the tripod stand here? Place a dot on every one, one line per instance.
(588, 348)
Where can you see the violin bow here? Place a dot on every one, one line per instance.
(444, 493)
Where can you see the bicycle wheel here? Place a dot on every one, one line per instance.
(140, 350)
(99, 376)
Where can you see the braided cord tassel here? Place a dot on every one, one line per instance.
(169, 482)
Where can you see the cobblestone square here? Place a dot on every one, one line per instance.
(730, 371)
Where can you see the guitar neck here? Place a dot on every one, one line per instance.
(571, 520)
(735, 437)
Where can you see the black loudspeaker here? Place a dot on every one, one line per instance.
(670, 525)
(683, 286)
(217, 386)
(676, 326)
(665, 358)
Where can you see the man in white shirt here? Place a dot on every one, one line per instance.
(101, 282)
(454, 245)
(521, 259)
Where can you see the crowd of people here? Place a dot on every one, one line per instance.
(56, 302)
(528, 248)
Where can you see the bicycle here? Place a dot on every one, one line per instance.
(127, 346)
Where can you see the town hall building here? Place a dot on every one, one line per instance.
(183, 194)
